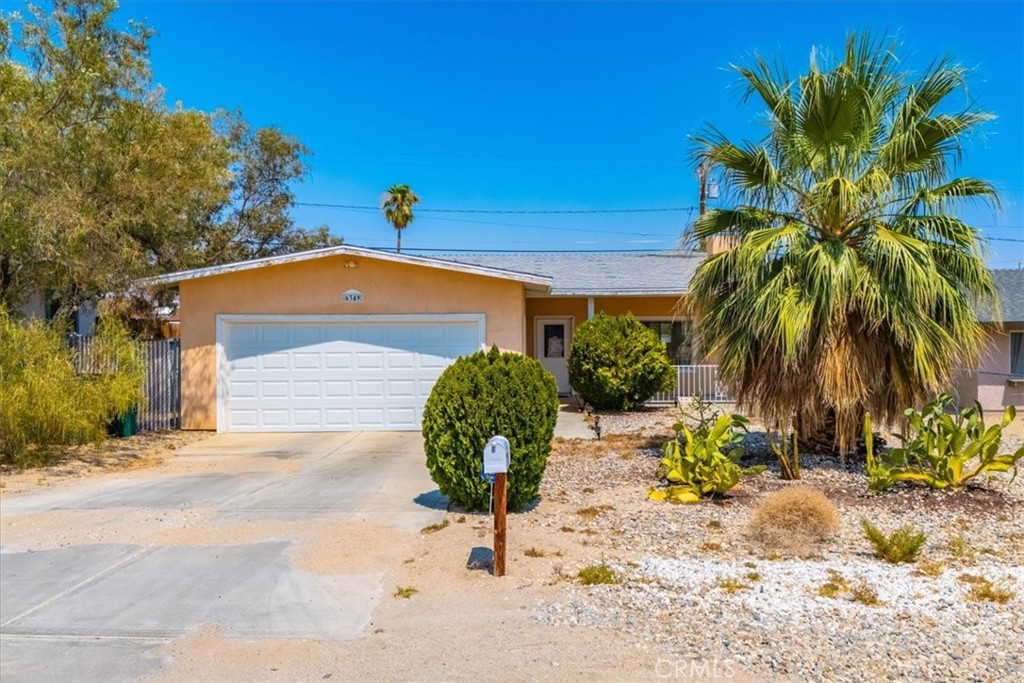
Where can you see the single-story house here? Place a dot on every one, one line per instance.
(348, 338)
(997, 381)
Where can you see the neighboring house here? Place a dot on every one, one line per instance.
(998, 379)
(348, 338)
(83, 321)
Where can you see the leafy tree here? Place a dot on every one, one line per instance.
(851, 281)
(102, 183)
(254, 222)
(397, 205)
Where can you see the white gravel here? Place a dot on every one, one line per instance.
(673, 558)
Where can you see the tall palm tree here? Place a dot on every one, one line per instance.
(851, 282)
(397, 205)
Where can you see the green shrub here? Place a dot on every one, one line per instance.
(599, 574)
(616, 362)
(46, 402)
(480, 396)
(902, 545)
(703, 462)
(943, 450)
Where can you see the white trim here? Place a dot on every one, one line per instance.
(225, 320)
(346, 250)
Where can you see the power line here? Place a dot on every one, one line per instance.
(665, 209)
(541, 251)
(505, 211)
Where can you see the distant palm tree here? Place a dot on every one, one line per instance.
(851, 282)
(397, 205)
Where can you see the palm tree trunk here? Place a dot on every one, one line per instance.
(398, 249)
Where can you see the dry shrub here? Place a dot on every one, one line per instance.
(794, 519)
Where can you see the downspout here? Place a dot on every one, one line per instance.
(590, 308)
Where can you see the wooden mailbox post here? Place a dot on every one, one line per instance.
(497, 456)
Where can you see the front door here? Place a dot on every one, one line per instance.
(551, 346)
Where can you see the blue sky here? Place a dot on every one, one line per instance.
(548, 106)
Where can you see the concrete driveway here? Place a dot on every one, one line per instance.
(266, 536)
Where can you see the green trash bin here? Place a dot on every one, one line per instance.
(125, 425)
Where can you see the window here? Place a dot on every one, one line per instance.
(554, 341)
(1017, 353)
(678, 338)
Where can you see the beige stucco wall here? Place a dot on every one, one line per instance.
(314, 288)
(993, 391)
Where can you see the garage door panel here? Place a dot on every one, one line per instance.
(401, 388)
(244, 418)
(306, 390)
(337, 390)
(273, 361)
(369, 359)
(337, 376)
(402, 416)
(274, 418)
(305, 335)
(337, 360)
(369, 388)
(243, 389)
(307, 418)
(306, 360)
(372, 418)
(401, 359)
(338, 419)
(275, 334)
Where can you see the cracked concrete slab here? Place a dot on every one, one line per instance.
(37, 659)
(150, 491)
(100, 611)
(31, 579)
(250, 590)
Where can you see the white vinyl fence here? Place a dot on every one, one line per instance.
(694, 380)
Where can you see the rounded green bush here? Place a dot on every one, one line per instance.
(483, 395)
(615, 362)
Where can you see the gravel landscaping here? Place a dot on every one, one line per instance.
(695, 585)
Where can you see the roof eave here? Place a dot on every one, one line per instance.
(528, 279)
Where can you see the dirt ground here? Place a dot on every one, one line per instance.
(459, 622)
(142, 451)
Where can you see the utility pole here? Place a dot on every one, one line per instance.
(702, 173)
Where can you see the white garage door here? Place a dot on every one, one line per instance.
(335, 374)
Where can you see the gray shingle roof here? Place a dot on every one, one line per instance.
(1010, 284)
(596, 273)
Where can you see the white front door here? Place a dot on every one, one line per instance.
(551, 346)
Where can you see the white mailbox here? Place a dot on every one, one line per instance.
(497, 455)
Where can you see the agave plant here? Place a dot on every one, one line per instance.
(703, 462)
(852, 279)
(943, 450)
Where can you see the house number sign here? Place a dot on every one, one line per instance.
(352, 296)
